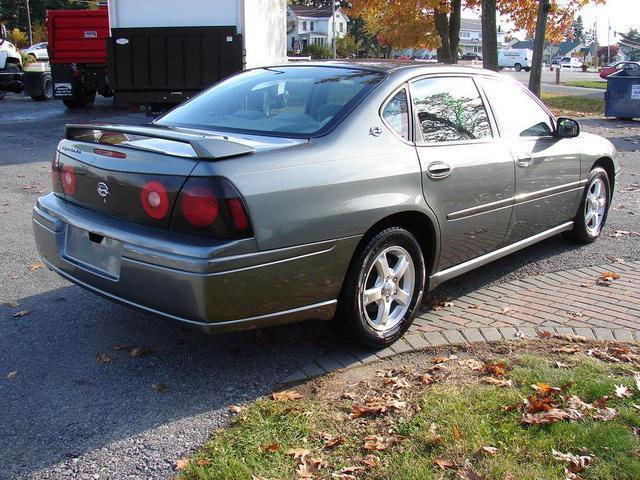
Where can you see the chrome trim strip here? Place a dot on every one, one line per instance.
(465, 267)
(517, 200)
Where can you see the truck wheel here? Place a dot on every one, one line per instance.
(527, 69)
(517, 67)
(80, 99)
(47, 90)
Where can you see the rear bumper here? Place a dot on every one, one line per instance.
(210, 286)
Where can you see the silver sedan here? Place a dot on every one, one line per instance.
(331, 191)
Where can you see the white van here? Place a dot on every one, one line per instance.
(516, 58)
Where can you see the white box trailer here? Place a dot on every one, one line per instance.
(164, 51)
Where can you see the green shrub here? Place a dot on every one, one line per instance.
(317, 51)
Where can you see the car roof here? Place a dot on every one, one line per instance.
(393, 66)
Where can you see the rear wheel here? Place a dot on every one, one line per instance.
(527, 69)
(47, 90)
(383, 288)
(594, 207)
(517, 67)
(81, 97)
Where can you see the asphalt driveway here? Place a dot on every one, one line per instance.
(64, 414)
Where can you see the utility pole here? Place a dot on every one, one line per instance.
(335, 46)
(29, 23)
(608, 40)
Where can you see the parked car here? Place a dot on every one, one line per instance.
(516, 58)
(321, 190)
(471, 56)
(37, 52)
(570, 62)
(616, 67)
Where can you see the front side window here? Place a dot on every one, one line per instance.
(311, 26)
(449, 109)
(519, 114)
(396, 114)
(293, 101)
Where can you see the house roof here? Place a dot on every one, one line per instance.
(563, 48)
(313, 12)
(473, 24)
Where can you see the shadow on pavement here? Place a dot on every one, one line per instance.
(63, 402)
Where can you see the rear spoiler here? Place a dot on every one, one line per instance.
(159, 140)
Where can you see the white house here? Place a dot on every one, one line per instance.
(314, 26)
(471, 36)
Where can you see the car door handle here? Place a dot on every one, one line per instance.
(438, 170)
(524, 161)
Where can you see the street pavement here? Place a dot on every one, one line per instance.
(66, 415)
(548, 82)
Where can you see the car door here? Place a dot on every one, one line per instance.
(547, 168)
(468, 176)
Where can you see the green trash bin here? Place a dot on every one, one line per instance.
(622, 98)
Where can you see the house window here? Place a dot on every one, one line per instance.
(311, 26)
(304, 25)
(341, 27)
(465, 34)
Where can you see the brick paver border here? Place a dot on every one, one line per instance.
(566, 302)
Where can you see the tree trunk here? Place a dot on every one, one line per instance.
(538, 47)
(454, 29)
(489, 35)
(442, 27)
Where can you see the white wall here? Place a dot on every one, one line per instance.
(174, 13)
(265, 33)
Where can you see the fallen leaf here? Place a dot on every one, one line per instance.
(455, 431)
(298, 452)
(182, 463)
(117, 348)
(468, 473)
(575, 463)
(106, 358)
(545, 417)
(308, 466)
(286, 395)
(616, 260)
(333, 442)
(138, 352)
(606, 278)
(377, 442)
(439, 360)
(622, 391)
(160, 387)
(505, 310)
(12, 375)
(545, 334)
(370, 461)
(236, 409)
(444, 463)
(12, 304)
(498, 382)
(545, 388)
(566, 349)
(426, 379)
(35, 266)
(203, 462)
(488, 450)
(471, 364)
(625, 233)
(495, 369)
(347, 473)
(274, 447)
(21, 313)
(563, 365)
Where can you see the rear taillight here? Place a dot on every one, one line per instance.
(211, 207)
(68, 180)
(155, 200)
(55, 174)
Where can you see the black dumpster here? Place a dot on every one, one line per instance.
(623, 95)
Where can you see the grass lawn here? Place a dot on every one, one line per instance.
(476, 413)
(571, 105)
(602, 84)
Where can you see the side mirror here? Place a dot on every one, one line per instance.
(567, 128)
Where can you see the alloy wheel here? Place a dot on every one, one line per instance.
(595, 206)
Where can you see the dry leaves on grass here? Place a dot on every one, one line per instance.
(498, 382)
(614, 354)
(444, 463)
(274, 447)
(575, 463)
(622, 391)
(236, 409)
(380, 442)
(491, 451)
(347, 473)
(106, 358)
(286, 395)
(371, 461)
(330, 441)
(375, 406)
(495, 369)
(606, 278)
(307, 466)
(182, 463)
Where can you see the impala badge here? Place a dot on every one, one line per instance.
(103, 190)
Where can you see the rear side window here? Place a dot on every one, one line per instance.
(449, 109)
(518, 113)
(297, 101)
(396, 114)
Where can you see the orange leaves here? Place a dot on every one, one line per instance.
(307, 465)
(606, 278)
(375, 406)
(286, 395)
(495, 369)
(380, 442)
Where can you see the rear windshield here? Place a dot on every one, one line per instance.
(294, 101)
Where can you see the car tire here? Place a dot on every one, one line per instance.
(47, 91)
(527, 69)
(383, 288)
(81, 98)
(589, 221)
(517, 67)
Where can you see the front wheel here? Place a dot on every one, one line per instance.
(594, 207)
(517, 67)
(383, 288)
(47, 90)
